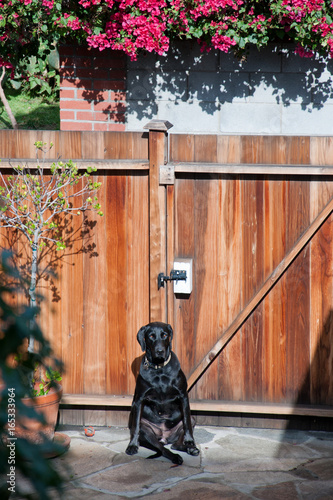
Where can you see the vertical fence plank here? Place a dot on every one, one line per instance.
(71, 304)
(229, 286)
(297, 299)
(92, 145)
(157, 217)
(297, 150)
(274, 339)
(206, 299)
(129, 145)
(182, 147)
(95, 306)
(253, 150)
(184, 322)
(51, 137)
(321, 150)
(321, 316)
(170, 247)
(137, 272)
(321, 322)
(116, 276)
(70, 145)
(117, 145)
(297, 329)
(252, 204)
(184, 247)
(140, 146)
(250, 149)
(6, 144)
(228, 149)
(24, 143)
(205, 148)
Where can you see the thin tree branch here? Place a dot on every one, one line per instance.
(5, 101)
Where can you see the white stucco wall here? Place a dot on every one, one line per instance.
(272, 92)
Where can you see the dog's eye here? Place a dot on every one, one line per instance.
(151, 336)
(164, 335)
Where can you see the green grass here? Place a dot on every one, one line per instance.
(31, 113)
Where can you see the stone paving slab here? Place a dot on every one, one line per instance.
(285, 491)
(199, 490)
(316, 490)
(84, 458)
(139, 476)
(321, 469)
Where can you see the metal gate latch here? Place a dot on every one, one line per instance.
(174, 276)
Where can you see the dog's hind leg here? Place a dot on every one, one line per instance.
(150, 440)
(189, 448)
(177, 439)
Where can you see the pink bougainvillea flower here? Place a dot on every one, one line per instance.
(100, 41)
(303, 52)
(7, 65)
(148, 25)
(48, 4)
(222, 42)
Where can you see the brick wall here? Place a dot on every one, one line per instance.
(93, 85)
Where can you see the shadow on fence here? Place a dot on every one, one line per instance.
(78, 240)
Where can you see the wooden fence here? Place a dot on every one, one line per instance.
(255, 336)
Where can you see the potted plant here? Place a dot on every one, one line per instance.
(44, 397)
(33, 202)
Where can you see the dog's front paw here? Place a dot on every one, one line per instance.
(132, 449)
(191, 449)
(176, 459)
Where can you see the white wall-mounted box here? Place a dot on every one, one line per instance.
(181, 286)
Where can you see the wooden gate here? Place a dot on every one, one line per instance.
(255, 216)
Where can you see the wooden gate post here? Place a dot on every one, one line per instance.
(158, 148)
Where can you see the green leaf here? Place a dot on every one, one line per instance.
(253, 38)
(15, 84)
(242, 42)
(53, 59)
(33, 83)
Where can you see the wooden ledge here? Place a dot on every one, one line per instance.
(206, 406)
(169, 170)
(251, 169)
(95, 400)
(81, 164)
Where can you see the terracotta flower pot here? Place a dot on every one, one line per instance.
(48, 407)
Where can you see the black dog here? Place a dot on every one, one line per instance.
(160, 412)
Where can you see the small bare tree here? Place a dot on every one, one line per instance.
(32, 199)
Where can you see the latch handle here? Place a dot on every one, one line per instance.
(175, 275)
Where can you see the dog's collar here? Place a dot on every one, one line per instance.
(148, 364)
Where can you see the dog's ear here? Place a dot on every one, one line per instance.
(170, 331)
(141, 337)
